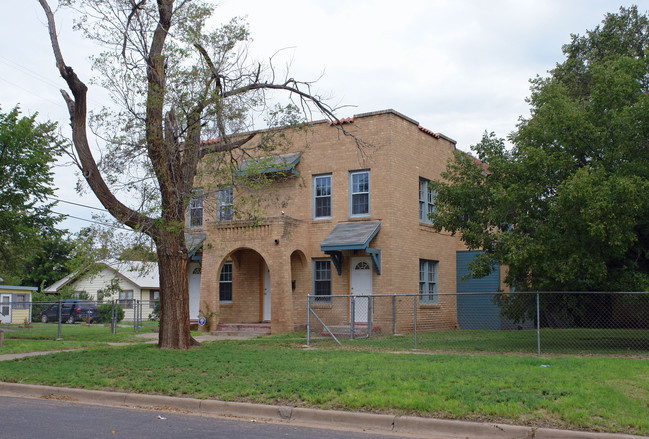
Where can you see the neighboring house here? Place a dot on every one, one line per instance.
(16, 304)
(137, 281)
(351, 220)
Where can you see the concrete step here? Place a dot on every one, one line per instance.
(360, 330)
(242, 329)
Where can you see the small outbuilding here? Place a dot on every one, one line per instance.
(16, 303)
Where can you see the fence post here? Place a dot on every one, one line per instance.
(308, 319)
(113, 318)
(60, 337)
(538, 325)
(394, 315)
(352, 318)
(415, 314)
(370, 318)
(136, 304)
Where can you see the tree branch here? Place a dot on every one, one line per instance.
(77, 110)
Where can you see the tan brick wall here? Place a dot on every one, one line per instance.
(400, 153)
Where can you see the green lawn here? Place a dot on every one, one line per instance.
(43, 336)
(595, 393)
(582, 341)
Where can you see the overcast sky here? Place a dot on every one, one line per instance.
(458, 67)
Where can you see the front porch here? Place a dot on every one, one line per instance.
(254, 275)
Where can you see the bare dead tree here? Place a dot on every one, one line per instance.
(176, 81)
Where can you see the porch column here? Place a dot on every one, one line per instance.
(281, 320)
(209, 286)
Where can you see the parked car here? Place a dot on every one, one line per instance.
(71, 311)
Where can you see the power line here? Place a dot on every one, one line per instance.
(93, 221)
(80, 205)
(39, 77)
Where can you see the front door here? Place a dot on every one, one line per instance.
(361, 285)
(5, 308)
(194, 289)
(266, 295)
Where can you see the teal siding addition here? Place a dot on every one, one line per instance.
(476, 311)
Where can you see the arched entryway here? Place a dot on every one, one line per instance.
(244, 290)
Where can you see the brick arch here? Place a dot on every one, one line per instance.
(235, 255)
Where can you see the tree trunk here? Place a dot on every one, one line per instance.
(174, 292)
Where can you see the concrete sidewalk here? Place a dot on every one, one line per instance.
(407, 425)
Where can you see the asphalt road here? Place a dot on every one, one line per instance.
(28, 418)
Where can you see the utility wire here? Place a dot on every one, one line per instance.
(80, 205)
(93, 221)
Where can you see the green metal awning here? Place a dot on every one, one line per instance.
(194, 242)
(355, 235)
(279, 164)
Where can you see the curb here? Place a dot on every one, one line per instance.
(441, 428)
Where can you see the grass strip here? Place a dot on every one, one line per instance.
(600, 394)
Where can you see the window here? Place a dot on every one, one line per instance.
(322, 196)
(225, 202)
(100, 297)
(5, 308)
(428, 282)
(359, 199)
(126, 299)
(21, 301)
(154, 296)
(196, 209)
(322, 280)
(426, 201)
(225, 283)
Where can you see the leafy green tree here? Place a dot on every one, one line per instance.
(177, 83)
(28, 150)
(566, 207)
(51, 261)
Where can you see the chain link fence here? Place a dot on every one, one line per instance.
(581, 323)
(111, 314)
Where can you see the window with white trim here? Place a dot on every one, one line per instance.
(359, 193)
(126, 299)
(322, 280)
(322, 196)
(225, 203)
(225, 283)
(196, 209)
(426, 201)
(428, 294)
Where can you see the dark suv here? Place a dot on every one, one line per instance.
(71, 311)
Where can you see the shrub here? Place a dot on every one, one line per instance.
(155, 315)
(104, 313)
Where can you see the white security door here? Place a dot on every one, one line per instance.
(266, 306)
(194, 289)
(5, 308)
(361, 285)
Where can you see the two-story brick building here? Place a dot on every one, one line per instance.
(353, 220)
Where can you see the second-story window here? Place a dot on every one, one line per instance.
(322, 196)
(359, 193)
(225, 201)
(196, 209)
(426, 201)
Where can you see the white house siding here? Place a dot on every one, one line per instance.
(92, 284)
